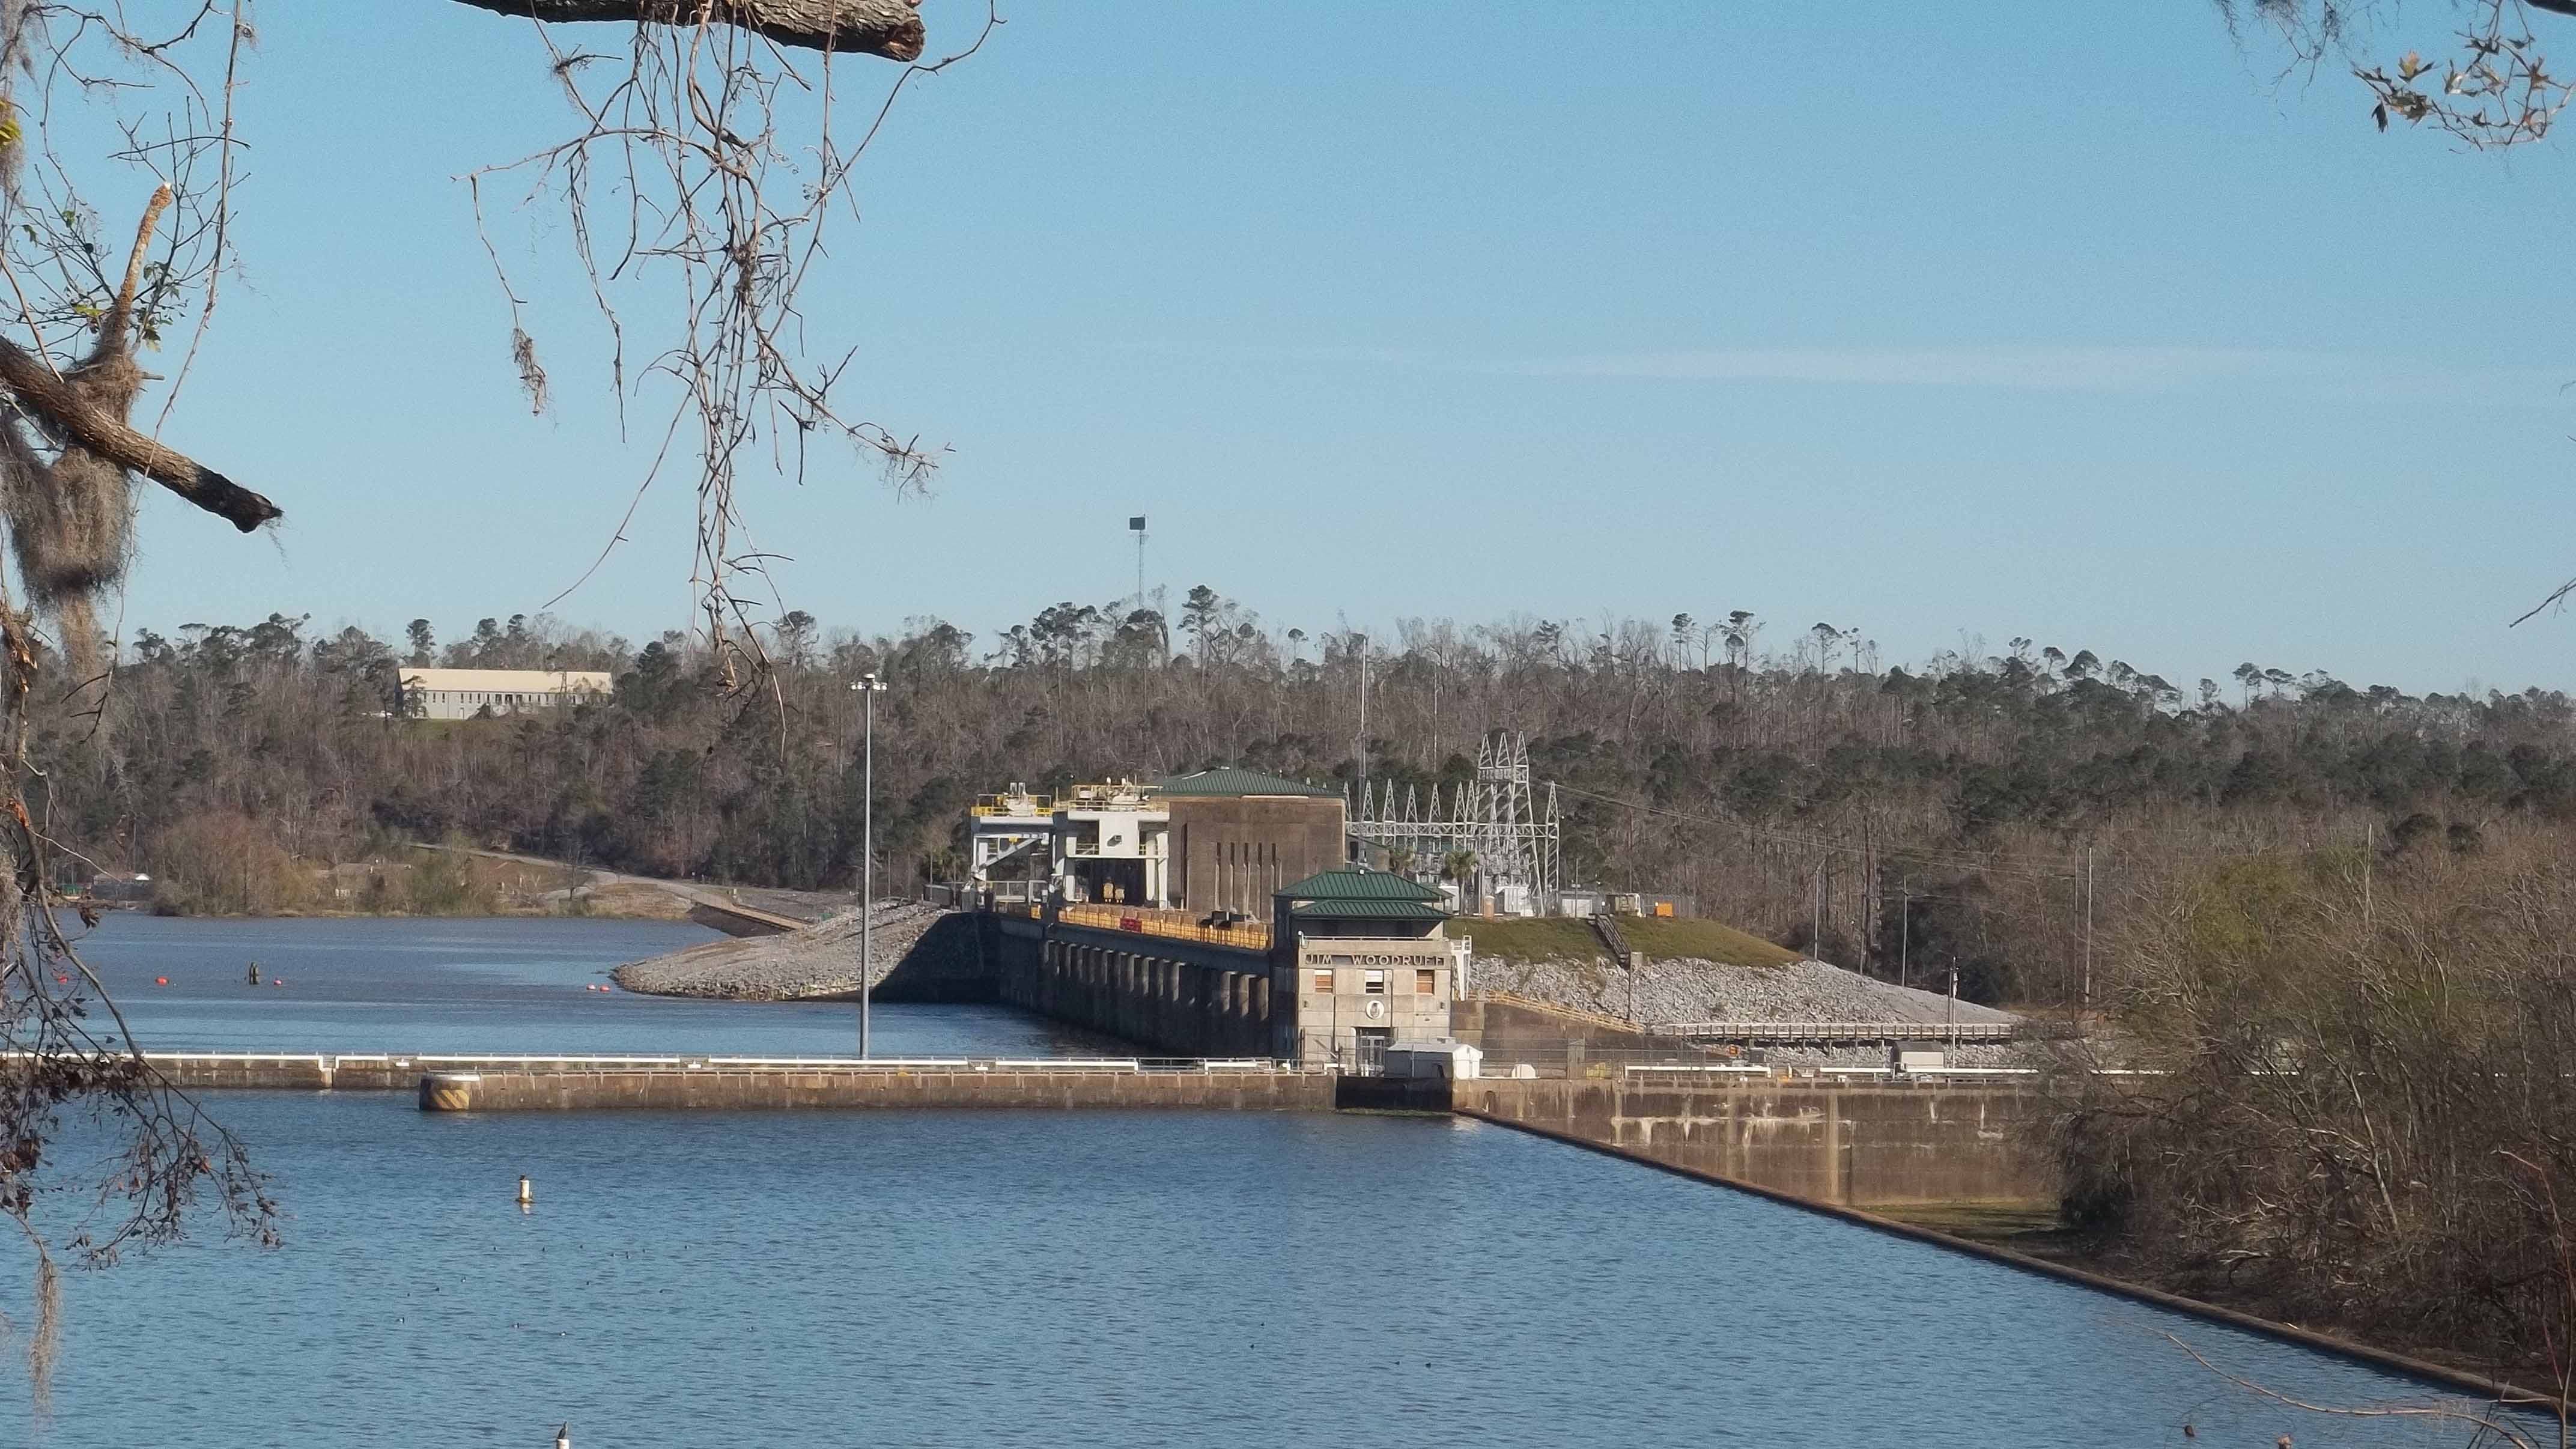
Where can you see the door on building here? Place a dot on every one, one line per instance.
(1370, 1056)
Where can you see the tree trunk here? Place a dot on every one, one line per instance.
(890, 28)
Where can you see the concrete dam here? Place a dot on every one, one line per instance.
(1219, 1018)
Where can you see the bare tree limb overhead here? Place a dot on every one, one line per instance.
(890, 28)
(66, 413)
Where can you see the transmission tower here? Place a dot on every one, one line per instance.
(1498, 818)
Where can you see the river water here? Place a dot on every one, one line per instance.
(1000, 1278)
(503, 986)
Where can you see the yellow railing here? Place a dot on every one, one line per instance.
(1171, 925)
(1038, 806)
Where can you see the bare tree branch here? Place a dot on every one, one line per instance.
(890, 28)
(47, 394)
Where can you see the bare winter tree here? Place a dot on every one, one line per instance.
(2484, 81)
(718, 126)
(724, 146)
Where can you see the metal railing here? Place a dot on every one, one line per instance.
(1899, 1074)
(1038, 806)
(1792, 1032)
(1172, 925)
(441, 1061)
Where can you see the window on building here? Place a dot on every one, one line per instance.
(1324, 983)
(1374, 983)
(1425, 982)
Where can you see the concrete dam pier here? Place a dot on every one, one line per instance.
(1859, 1146)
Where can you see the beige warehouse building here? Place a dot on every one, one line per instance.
(471, 693)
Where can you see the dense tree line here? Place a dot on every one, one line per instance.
(1990, 811)
(2344, 1098)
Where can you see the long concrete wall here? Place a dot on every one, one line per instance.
(1178, 997)
(1856, 1146)
(232, 1071)
(829, 1089)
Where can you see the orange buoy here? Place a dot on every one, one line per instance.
(160, 980)
(273, 981)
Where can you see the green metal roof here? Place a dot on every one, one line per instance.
(1230, 780)
(1366, 911)
(1357, 883)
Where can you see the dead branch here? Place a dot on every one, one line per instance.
(112, 329)
(45, 393)
(890, 28)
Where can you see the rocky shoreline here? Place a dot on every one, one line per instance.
(1681, 989)
(819, 962)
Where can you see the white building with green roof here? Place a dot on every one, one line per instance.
(1361, 962)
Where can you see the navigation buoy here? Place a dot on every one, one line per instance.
(526, 1195)
(160, 980)
(563, 1437)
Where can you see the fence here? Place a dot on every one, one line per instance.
(522, 1061)
(1549, 1060)
(1792, 1033)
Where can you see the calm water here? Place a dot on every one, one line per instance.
(502, 986)
(995, 1278)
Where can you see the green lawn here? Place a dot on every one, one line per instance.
(1531, 938)
(1662, 937)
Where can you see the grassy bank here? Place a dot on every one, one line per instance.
(1662, 938)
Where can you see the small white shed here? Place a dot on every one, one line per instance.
(1452, 1060)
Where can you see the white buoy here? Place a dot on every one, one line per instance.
(563, 1432)
(525, 1195)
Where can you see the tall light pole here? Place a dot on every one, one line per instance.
(870, 686)
(1136, 526)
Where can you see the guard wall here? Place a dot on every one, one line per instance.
(1853, 1146)
(838, 1089)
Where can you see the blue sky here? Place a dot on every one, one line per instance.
(1982, 321)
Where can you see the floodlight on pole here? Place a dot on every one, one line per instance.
(1136, 526)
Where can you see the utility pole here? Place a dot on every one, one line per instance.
(1816, 919)
(1904, 927)
(1136, 526)
(2369, 849)
(1359, 750)
(870, 686)
(1162, 631)
(2087, 1001)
